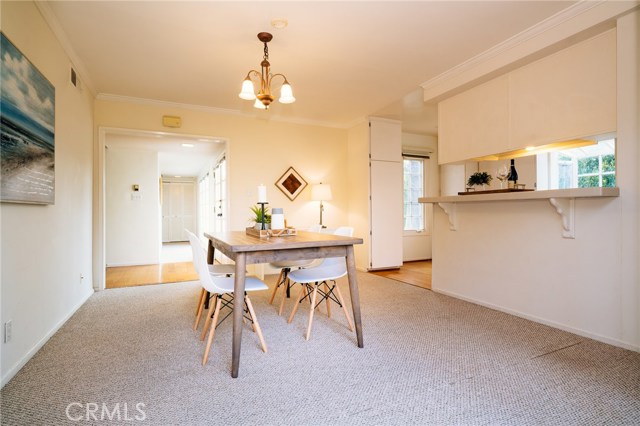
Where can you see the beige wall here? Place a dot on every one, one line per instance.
(259, 151)
(358, 154)
(45, 249)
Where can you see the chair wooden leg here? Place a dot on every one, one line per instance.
(203, 296)
(313, 304)
(256, 327)
(202, 292)
(275, 288)
(284, 295)
(213, 331)
(208, 320)
(297, 303)
(328, 299)
(344, 307)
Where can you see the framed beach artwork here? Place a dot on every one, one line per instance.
(291, 183)
(27, 130)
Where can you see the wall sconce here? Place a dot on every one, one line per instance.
(321, 193)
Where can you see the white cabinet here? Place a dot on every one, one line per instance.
(386, 214)
(567, 95)
(374, 151)
(474, 123)
(385, 140)
(385, 189)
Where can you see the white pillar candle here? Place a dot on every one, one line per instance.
(277, 218)
(262, 193)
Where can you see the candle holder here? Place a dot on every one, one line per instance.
(263, 227)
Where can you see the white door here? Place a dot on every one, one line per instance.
(386, 214)
(178, 210)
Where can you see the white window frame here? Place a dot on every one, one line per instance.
(425, 222)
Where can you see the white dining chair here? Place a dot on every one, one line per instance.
(222, 270)
(285, 267)
(325, 274)
(222, 289)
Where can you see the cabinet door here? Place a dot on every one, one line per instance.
(385, 138)
(386, 215)
(474, 123)
(568, 95)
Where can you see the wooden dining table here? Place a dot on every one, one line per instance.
(247, 249)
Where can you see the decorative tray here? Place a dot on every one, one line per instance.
(267, 233)
(495, 191)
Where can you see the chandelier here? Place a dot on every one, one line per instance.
(264, 96)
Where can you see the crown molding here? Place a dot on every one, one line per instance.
(51, 20)
(480, 64)
(215, 110)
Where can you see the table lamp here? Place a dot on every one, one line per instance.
(321, 193)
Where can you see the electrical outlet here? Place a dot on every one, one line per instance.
(7, 331)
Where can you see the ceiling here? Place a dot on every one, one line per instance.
(174, 159)
(344, 60)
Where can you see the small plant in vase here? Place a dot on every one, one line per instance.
(479, 178)
(257, 216)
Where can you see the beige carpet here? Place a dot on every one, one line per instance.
(428, 360)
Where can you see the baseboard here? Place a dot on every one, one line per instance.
(14, 370)
(137, 263)
(578, 331)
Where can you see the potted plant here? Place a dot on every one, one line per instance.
(479, 178)
(257, 216)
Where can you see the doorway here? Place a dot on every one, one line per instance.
(130, 228)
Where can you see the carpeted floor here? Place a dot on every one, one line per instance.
(428, 360)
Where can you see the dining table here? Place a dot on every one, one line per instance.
(245, 249)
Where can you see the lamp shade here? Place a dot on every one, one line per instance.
(286, 94)
(247, 91)
(321, 192)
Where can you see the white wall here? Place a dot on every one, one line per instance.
(417, 246)
(133, 231)
(511, 255)
(45, 249)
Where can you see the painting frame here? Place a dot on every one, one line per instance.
(27, 130)
(291, 183)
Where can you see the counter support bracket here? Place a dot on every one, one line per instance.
(450, 210)
(565, 207)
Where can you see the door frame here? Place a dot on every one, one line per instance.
(99, 193)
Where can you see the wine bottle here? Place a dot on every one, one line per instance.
(513, 175)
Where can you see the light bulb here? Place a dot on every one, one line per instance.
(286, 94)
(247, 91)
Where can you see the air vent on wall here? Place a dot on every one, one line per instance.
(73, 78)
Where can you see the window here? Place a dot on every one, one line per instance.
(584, 167)
(413, 189)
(204, 204)
(598, 170)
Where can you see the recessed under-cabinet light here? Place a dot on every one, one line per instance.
(188, 145)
